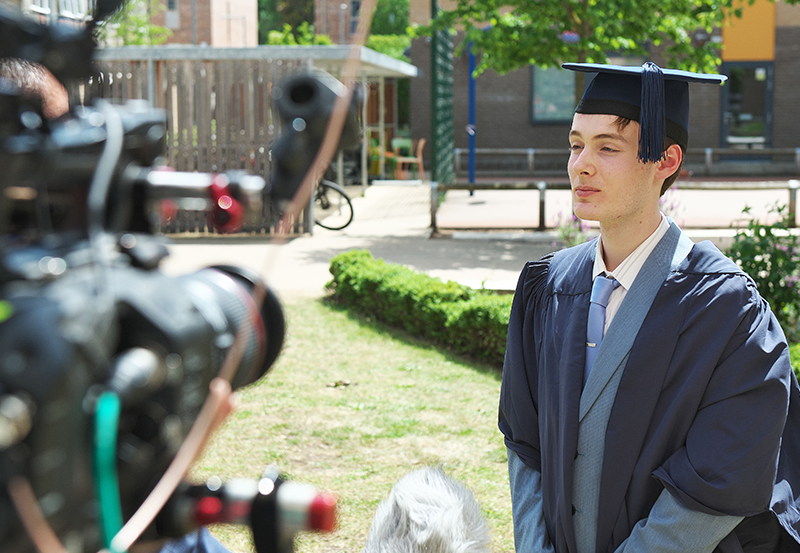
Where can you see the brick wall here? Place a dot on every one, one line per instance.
(503, 107)
(328, 20)
(234, 22)
(786, 90)
(182, 33)
(219, 22)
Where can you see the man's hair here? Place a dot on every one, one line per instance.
(428, 512)
(623, 122)
(35, 81)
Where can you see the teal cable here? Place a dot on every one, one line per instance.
(106, 426)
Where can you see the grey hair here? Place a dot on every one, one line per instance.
(428, 512)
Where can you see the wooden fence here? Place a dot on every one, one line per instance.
(220, 112)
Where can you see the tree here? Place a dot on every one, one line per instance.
(510, 34)
(303, 35)
(390, 18)
(268, 19)
(274, 15)
(131, 25)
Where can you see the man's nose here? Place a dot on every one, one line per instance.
(582, 162)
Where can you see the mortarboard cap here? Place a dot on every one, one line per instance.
(658, 99)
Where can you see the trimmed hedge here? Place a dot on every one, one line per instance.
(471, 322)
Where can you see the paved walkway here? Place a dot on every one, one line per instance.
(393, 222)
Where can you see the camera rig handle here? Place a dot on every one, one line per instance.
(228, 197)
(276, 510)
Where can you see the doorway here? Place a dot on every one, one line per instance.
(747, 105)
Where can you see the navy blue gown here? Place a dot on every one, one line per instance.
(707, 406)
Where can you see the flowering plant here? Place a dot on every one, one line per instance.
(571, 230)
(770, 255)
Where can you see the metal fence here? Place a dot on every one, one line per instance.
(709, 162)
(442, 168)
(220, 111)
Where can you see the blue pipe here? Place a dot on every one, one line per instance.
(471, 116)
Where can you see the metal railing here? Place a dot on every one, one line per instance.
(531, 160)
(791, 185)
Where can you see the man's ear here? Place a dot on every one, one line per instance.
(671, 161)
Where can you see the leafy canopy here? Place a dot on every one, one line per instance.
(131, 25)
(302, 35)
(510, 34)
(274, 15)
(390, 18)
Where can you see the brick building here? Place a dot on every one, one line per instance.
(531, 108)
(337, 18)
(210, 22)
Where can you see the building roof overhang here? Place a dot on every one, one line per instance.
(330, 58)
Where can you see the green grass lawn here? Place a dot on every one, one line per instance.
(351, 407)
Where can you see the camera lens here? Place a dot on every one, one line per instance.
(240, 308)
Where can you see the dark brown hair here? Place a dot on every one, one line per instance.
(623, 122)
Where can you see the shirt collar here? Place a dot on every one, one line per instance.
(626, 272)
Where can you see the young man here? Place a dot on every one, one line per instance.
(664, 417)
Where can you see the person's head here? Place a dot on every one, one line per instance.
(623, 122)
(35, 80)
(610, 184)
(645, 111)
(427, 511)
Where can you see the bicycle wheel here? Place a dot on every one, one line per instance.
(332, 208)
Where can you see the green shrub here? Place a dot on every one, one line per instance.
(794, 355)
(769, 254)
(468, 321)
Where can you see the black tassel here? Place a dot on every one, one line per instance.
(652, 118)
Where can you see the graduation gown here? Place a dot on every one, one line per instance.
(707, 405)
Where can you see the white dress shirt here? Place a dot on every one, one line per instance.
(627, 271)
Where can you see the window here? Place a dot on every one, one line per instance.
(39, 6)
(355, 10)
(553, 95)
(172, 17)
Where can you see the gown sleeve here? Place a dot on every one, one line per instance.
(728, 463)
(518, 416)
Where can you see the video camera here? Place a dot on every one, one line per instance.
(105, 362)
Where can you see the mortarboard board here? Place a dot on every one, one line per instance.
(658, 99)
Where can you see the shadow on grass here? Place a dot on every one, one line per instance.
(379, 327)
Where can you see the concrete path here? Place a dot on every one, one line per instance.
(393, 222)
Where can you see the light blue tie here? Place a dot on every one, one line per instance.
(601, 291)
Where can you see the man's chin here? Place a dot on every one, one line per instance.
(584, 213)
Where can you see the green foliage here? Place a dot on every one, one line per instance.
(131, 24)
(295, 12)
(769, 254)
(515, 33)
(302, 35)
(390, 18)
(468, 321)
(269, 19)
(274, 15)
(391, 45)
(794, 355)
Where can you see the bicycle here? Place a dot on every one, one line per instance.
(333, 209)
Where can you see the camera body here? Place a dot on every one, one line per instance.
(154, 341)
(86, 315)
